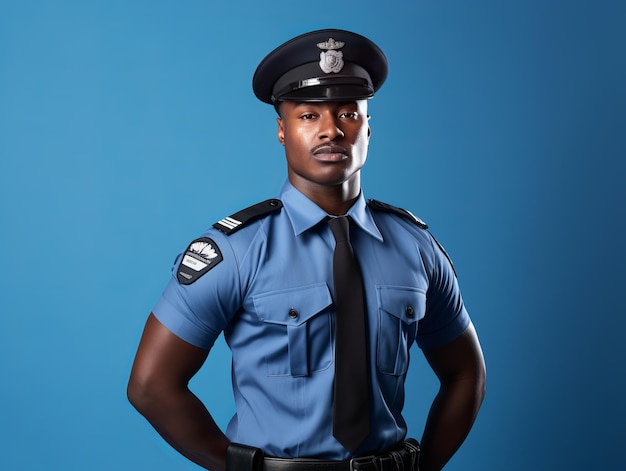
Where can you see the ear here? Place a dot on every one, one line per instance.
(369, 129)
(281, 131)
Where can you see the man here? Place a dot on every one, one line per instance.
(304, 320)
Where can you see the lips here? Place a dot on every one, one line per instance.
(330, 153)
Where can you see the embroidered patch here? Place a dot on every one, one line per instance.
(201, 255)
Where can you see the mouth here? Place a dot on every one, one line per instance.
(330, 153)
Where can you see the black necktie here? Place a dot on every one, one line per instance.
(351, 412)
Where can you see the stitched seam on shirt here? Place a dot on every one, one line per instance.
(260, 232)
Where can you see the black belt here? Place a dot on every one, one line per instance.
(404, 458)
(369, 463)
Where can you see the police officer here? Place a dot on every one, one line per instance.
(293, 311)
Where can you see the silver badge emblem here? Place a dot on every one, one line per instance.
(331, 58)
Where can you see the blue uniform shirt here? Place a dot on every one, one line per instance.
(272, 296)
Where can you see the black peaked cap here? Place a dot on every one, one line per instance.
(323, 65)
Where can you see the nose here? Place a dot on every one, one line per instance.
(329, 127)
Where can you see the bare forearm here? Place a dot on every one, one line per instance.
(183, 421)
(450, 419)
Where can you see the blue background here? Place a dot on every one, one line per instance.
(128, 127)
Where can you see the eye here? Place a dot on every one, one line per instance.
(349, 115)
(307, 116)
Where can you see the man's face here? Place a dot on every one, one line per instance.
(325, 142)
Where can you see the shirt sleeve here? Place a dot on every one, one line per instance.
(199, 311)
(446, 317)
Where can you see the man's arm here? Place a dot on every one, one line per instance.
(460, 368)
(157, 388)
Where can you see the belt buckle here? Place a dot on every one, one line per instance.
(355, 463)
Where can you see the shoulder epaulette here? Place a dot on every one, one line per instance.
(403, 213)
(375, 204)
(238, 220)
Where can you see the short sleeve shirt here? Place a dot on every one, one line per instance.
(271, 293)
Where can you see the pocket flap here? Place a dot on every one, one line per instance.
(404, 302)
(292, 306)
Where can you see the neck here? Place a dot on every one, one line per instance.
(336, 200)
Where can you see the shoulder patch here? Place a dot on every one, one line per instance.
(201, 256)
(233, 223)
(403, 213)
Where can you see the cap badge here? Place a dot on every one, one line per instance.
(331, 60)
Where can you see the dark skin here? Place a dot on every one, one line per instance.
(158, 388)
(326, 147)
(460, 367)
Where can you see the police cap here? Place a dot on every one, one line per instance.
(324, 65)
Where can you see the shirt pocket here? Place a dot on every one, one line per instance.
(399, 309)
(298, 327)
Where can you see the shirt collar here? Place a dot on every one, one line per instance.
(304, 213)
